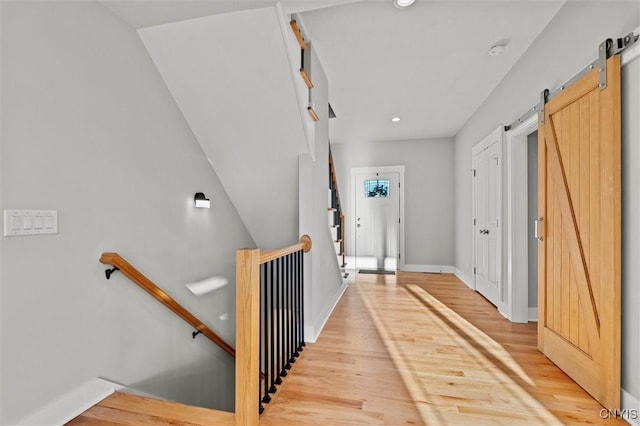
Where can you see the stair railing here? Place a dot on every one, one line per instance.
(269, 323)
(269, 319)
(120, 264)
(336, 206)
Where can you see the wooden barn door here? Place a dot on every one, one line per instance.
(580, 247)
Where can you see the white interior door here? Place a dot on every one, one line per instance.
(377, 216)
(487, 208)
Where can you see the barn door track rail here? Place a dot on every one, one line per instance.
(606, 49)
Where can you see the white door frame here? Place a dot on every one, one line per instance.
(516, 307)
(352, 224)
(488, 140)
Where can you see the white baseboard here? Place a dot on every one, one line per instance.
(630, 407)
(502, 310)
(464, 278)
(72, 403)
(443, 269)
(311, 332)
(533, 314)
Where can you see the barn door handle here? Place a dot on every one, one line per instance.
(537, 227)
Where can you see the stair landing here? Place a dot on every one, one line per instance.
(132, 410)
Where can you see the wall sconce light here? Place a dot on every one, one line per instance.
(201, 200)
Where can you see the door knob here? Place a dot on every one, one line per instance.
(358, 225)
(486, 231)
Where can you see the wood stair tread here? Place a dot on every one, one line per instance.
(125, 409)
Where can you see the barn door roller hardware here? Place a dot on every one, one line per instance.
(544, 98)
(606, 49)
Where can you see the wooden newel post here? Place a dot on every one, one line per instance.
(305, 240)
(247, 337)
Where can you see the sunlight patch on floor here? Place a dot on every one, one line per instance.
(370, 262)
(455, 373)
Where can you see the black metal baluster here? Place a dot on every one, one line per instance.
(296, 307)
(287, 310)
(301, 285)
(265, 315)
(283, 371)
(271, 367)
(292, 347)
(294, 321)
(278, 328)
(286, 301)
(285, 349)
(260, 344)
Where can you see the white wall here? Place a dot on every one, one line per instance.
(1, 206)
(90, 129)
(230, 75)
(631, 227)
(323, 284)
(428, 188)
(567, 45)
(532, 208)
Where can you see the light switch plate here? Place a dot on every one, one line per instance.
(30, 222)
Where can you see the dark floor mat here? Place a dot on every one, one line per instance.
(376, 271)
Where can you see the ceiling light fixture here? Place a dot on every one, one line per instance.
(403, 3)
(497, 50)
(395, 119)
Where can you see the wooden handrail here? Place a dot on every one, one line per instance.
(147, 285)
(298, 34)
(303, 244)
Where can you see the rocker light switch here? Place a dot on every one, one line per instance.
(30, 222)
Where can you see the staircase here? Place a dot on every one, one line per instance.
(336, 217)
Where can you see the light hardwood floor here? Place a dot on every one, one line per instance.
(425, 349)
(415, 349)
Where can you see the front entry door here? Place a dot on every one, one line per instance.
(377, 214)
(487, 191)
(579, 250)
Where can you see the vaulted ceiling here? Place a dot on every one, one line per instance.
(428, 64)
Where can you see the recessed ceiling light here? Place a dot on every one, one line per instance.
(395, 119)
(497, 49)
(403, 3)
